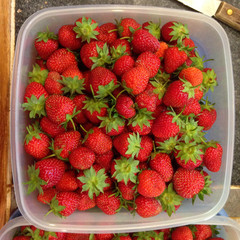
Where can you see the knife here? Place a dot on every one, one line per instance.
(221, 10)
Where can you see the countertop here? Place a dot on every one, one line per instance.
(24, 8)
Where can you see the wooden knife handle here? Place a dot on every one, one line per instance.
(229, 15)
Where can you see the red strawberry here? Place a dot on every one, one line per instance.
(65, 143)
(153, 28)
(121, 44)
(68, 182)
(85, 202)
(188, 183)
(164, 127)
(146, 149)
(147, 207)
(103, 81)
(107, 33)
(60, 236)
(104, 236)
(77, 236)
(150, 61)
(125, 106)
(67, 37)
(161, 162)
(58, 107)
(124, 26)
(21, 238)
(150, 184)
(181, 233)
(202, 232)
(51, 128)
(216, 238)
(82, 158)
(127, 190)
(52, 84)
(212, 158)
(192, 75)
(192, 107)
(86, 76)
(173, 58)
(36, 143)
(123, 64)
(47, 195)
(34, 99)
(60, 60)
(65, 203)
(98, 141)
(41, 62)
(46, 43)
(161, 50)
(136, 79)
(72, 71)
(104, 160)
(108, 202)
(86, 29)
(78, 100)
(45, 174)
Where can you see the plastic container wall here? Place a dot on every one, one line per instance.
(211, 41)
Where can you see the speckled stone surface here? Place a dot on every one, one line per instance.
(24, 8)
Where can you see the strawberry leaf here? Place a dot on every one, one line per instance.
(154, 29)
(38, 75)
(33, 131)
(56, 208)
(44, 36)
(104, 91)
(168, 145)
(179, 32)
(92, 105)
(134, 144)
(118, 52)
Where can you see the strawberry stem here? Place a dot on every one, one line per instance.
(83, 128)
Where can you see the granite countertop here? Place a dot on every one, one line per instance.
(24, 8)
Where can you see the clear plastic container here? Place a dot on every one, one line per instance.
(229, 229)
(212, 42)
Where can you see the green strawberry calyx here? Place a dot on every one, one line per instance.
(118, 52)
(106, 90)
(35, 182)
(154, 29)
(92, 104)
(159, 88)
(38, 75)
(170, 199)
(141, 118)
(205, 104)
(188, 88)
(56, 208)
(35, 106)
(86, 30)
(72, 85)
(179, 32)
(126, 170)
(44, 36)
(149, 235)
(103, 57)
(94, 182)
(198, 61)
(69, 118)
(209, 80)
(32, 131)
(168, 145)
(33, 234)
(134, 144)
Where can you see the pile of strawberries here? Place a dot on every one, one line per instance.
(190, 232)
(119, 113)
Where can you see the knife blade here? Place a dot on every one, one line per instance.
(221, 10)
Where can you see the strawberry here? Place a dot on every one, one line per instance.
(125, 106)
(47, 195)
(65, 143)
(173, 30)
(123, 64)
(192, 75)
(181, 233)
(191, 107)
(86, 77)
(108, 202)
(173, 58)
(21, 238)
(202, 232)
(125, 25)
(212, 158)
(136, 80)
(38, 74)
(161, 163)
(72, 71)
(143, 41)
(51, 128)
(58, 108)
(86, 29)
(60, 60)
(52, 84)
(153, 28)
(127, 190)
(150, 61)
(161, 50)
(64, 204)
(45, 174)
(85, 202)
(78, 100)
(46, 43)
(77, 236)
(36, 143)
(67, 37)
(95, 54)
(164, 126)
(118, 46)
(41, 62)
(103, 81)
(59, 236)
(104, 160)
(68, 182)
(34, 99)
(82, 158)
(107, 33)
(150, 184)
(104, 236)
(147, 207)
(146, 149)
(188, 183)
(216, 238)
(98, 141)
